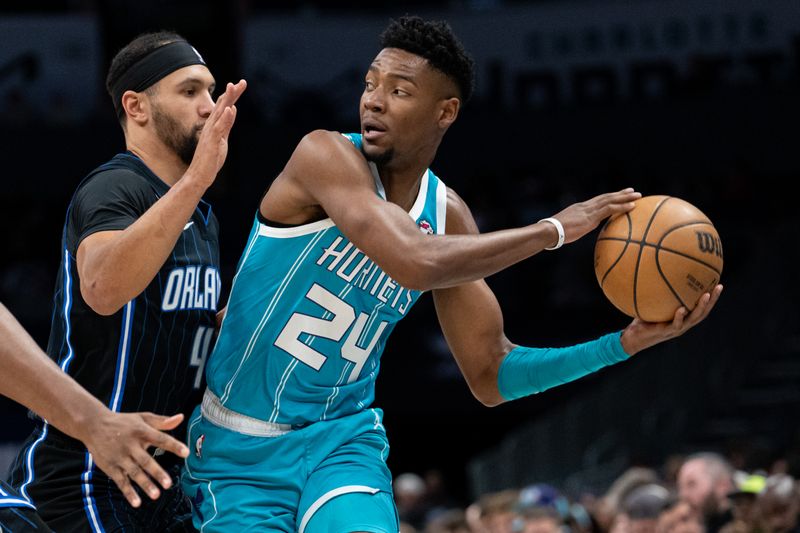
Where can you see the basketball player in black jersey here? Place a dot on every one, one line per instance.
(137, 291)
(117, 441)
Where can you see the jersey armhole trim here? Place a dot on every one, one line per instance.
(296, 231)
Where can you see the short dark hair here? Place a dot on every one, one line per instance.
(133, 52)
(436, 42)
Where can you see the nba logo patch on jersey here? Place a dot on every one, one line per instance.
(198, 446)
(425, 227)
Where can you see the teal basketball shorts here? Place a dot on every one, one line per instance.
(330, 476)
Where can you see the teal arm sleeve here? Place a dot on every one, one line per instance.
(526, 371)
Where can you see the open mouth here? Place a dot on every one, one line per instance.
(373, 130)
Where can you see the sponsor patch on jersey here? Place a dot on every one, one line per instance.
(198, 446)
(425, 227)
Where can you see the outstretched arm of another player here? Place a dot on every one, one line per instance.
(118, 442)
(327, 176)
(116, 266)
(497, 370)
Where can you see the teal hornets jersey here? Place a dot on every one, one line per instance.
(308, 317)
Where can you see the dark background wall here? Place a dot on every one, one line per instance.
(574, 99)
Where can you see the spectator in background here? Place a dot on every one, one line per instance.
(743, 502)
(641, 508)
(609, 506)
(493, 512)
(679, 518)
(778, 507)
(704, 482)
(409, 496)
(450, 521)
(540, 509)
(539, 520)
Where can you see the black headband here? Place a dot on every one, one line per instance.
(153, 67)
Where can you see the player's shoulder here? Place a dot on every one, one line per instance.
(325, 143)
(112, 184)
(113, 177)
(328, 156)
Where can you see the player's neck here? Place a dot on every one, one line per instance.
(163, 161)
(401, 182)
(401, 188)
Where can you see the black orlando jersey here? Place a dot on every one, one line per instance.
(151, 354)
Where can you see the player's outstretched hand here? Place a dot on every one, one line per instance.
(582, 217)
(640, 335)
(118, 443)
(212, 146)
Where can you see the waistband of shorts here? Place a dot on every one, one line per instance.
(219, 415)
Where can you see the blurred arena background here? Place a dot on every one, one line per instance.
(699, 100)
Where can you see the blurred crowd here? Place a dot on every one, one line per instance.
(698, 493)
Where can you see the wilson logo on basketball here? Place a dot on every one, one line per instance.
(709, 243)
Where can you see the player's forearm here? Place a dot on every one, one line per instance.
(451, 260)
(119, 270)
(525, 371)
(32, 379)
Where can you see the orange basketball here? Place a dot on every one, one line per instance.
(663, 254)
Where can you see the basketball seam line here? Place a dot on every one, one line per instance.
(669, 285)
(664, 248)
(641, 250)
(627, 241)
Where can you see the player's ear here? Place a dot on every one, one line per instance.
(448, 111)
(136, 107)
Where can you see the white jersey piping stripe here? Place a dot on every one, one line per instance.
(373, 168)
(419, 204)
(441, 207)
(89, 505)
(15, 502)
(271, 307)
(282, 385)
(335, 391)
(331, 494)
(64, 365)
(122, 364)
(296, 231)
(253, 239)
(189, 473)
(276, 408)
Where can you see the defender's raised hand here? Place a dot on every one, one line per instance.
(212, 146)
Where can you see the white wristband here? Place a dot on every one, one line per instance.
(559, 229)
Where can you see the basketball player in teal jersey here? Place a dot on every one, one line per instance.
(347, 238)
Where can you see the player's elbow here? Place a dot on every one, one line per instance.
(489, 396)
(100, 299)
(484, 388)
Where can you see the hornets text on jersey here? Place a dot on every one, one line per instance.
(308, 318)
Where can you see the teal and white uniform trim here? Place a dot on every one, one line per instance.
(308, 318)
